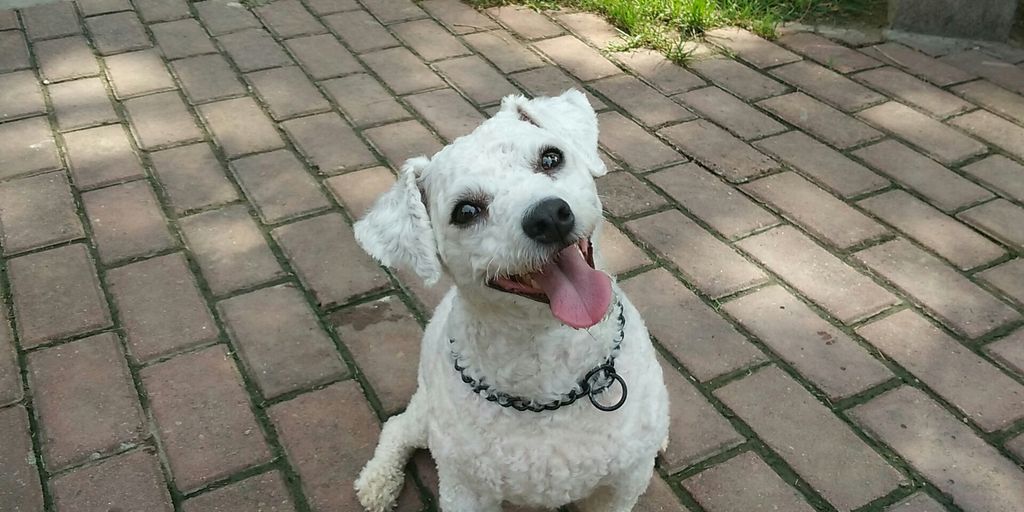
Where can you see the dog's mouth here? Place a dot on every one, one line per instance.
(578, 294)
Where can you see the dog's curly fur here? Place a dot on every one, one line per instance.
(487, 454)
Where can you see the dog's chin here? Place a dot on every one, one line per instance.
(525, 284)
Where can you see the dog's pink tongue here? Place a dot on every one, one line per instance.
(579, 295)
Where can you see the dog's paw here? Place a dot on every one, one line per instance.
(377, 488)
(664, 445)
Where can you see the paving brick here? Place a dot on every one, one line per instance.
(9, 20)
(287, 92)
(458, 17)
(622, 194)
(827, 123)
(101, 156)
(289, 18)
(328, 142)
(384, 340)
(943, 449)
(126, 221)
(363, 100)
(328, 261)
(402, 71)
(480, 82)
(719, 151)
(714, 267)
(137, 73)
(1008, 278)
(116, 33)
(428, 296)
(937, 140)
(401, 141)
(322, 56)
(950, 239)
(19, 480)
(280, 341)
(266, 492)
(659, 497)
(94, 7)
(1000, 219)
(818, 445)
(552, 81)
(590, 27)
(360, 31)
(429, 39)
(225, 17)
(356, 191)
(648, 106)
(203, 417)
(958, 303)
(10, 372)
(918, 64)
(737, 78)
(161, 120)
(1010, 350)
(20, 96)
(85, 400)
(254, 49)
(994, 130)
(37, 211)
(705, 196)
(743, 482)
(637, 148)
(504, 51)
(206, 78)
(13, 51)
(278, 186)
(62, 279)
(729, 112)
(944, 188)
(447, 112)
(81, 104)
(751, 48)
(47, 21)
(132, 481)
(817, 211)
(525, 22)
(991, 68)
(914, 91)
(27, 146)
(827, 85)
(821, 163)
(577, 58)
(323, 7)
(182, 38)
(617, 252)
(192, 177)
(240, 127)
(391, 11)
(993, 98)
(64, 59)
(662, 73)
(152, 11)
(828, 53)
(1016, 445)
(160, 307)
(230, 249)
(918, 502)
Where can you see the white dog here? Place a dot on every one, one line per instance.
(525, 366)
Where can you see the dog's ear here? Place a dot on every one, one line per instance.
(569, 113)
(396, 230)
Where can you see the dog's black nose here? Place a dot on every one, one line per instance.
(549, 221)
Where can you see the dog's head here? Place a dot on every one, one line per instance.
(509, 208)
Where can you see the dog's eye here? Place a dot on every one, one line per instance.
(550, 159)
(465, 213)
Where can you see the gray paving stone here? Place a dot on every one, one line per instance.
(429, 40)
(182, 38)
(363, 100)
(205, 78)
(525, 22)
(36, 211)
(328, 143)
(360, 31)
(81, 103)
(26, 147)
(225, 17)
(137, 73)
(152, 11)
(743, 482)
(719, 151)
(645, 104)
(738, 78)
(118, 32)
(827, 123)
(827, 85)
(823, 164)
(13, 51)
(552, 81)
(577, 58)
(447, 112)
(502, 49)
(402, 71)
(161, 120)
(64, 59)
(101, 156)
(914, 91)
(1008, 278)
(403, 140)
(46, 21)
(126, 221)
(751, 48)
(192, 177)
(288, 18)
(240, 127)
(391, 11)
(458, 17)
(934, 138)
(729, 112)
(322, 56)
(287, 92)
(1000, 219)
(94, 7)
(278, 186)
(254, 49)
(20, 96)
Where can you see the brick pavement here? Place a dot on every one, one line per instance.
(825, 241)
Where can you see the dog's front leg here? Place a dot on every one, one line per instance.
(460, 495)
(623, 491)
(381, 479)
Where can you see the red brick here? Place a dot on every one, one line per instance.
(223, 17)
(401, 141)
(192, 177)
(27, 146)
(203, 417)
(322, 56)
(254, 49)
(50, 20)
(828, 53)
(266, 492)
(20, 96)
(207, 77)
(278, 186)
(826, 166)
(161, 120)
(280, 341)
(360, 31)
(743, 482)
(827, 123)
(1009, 350)
(384, 340)
(480, 82)
(750, 47)
(356, 191)
(363, 100)
(695, 334)
(637, 148)
(705, 196)
(662, 73)
(622, 194)
(1008, 278)
(287, 92)
(328, 143)
(81, 104)
(827, 85)
(328, 260)
(937, 140)
(995, 70)
(719, 151)
(126, 221)
(240, 127)
(428, 296)
(525, 22)
(161, 308)
(289, 18)
(85, 401)
(116, 33)
(13, 51)
(230, 249)
(132, 481)
(402, 71)
(993, 98)
(64, 59)
(648, 106)
(37, 211)
(816, 444)
(101, 156)
(458, 17)
(552, 81)
(944, 450)
(616, 253)
(577, 58)
(182, 38)
(58, 280)
(19, 477)
(822, 214)
(917, 63)
(503, 50)
(914, 91)
(737, 78)
(429, 40)
(447, 112)
(950, 239)
(137, 73)
(152, 11)
(994, 130)
(958, 303)
(731, 113)
(1000, 219)
(714, 267)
